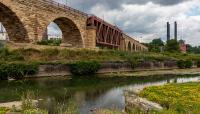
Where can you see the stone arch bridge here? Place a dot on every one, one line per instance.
(27, 20)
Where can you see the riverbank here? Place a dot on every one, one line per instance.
(175, 98)
(49, 62)
(159, 72)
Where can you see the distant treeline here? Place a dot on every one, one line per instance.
(191, 49)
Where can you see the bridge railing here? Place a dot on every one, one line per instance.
(64, 7)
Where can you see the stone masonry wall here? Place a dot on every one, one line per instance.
(26, 20)
(106, 67)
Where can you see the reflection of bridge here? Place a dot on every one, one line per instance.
(27, 20)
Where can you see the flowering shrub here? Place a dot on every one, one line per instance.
(180, 98)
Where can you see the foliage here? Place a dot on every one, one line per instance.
(51, 42)
(84, 67)
(176, 98)
(3, 72)
(198, 63)
(156, 45)
(191, 49)
(56, 55)
(67, 108)
(17, 70)
(188, 64)
(27, 100)
(3, 110)
(35, 111)
(184, 64)
(6, 55)
(133, 62)
(1, 44)
(181, 64)
(108, 111)
(172, 46)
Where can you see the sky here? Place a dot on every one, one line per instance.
(145, 19)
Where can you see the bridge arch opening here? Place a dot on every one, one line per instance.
(66, 30)
(133, 47)
(12, 25)
(129, 46)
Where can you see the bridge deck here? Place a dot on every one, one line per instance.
(65, 7)
(107, 35)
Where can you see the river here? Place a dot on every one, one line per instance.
(82, 94)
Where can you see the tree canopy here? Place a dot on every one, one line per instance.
(156, 45)
(172, 46)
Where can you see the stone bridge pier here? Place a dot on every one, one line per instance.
(27, 20)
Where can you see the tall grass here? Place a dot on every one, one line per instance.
(51, 42)
(69, 55)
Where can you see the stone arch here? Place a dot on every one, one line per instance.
(136, 47)
(133, 48)
(14, 27)
(71, 35)
(124, 46)
(129, 46)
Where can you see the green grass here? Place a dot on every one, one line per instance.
(175, 98)
(55, 55)
(3, 110)
(51, 42)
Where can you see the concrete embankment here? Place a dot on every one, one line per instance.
(121, 68)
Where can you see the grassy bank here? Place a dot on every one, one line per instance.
(175, 98)
(81, 61)
(154, 73)
(67, 55)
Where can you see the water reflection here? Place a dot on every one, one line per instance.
(81, 95)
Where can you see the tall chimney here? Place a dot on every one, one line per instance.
(168, 31)
(175, 30)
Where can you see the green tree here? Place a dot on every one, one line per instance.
(172, 46)
(191, 49)
(156, 45)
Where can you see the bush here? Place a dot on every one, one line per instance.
(133, 62)
(3, 72)
(50, 52)
(188, 64)
(35, 111)
(181, 64)
(184, 64)
(84, 67)
(52, 42)
(17, 70)
(3, 110)
(198, 64)
(6, 55)
(1, 44)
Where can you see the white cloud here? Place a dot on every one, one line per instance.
(147, 19)
(150, 20)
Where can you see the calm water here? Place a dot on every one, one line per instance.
(79, 94)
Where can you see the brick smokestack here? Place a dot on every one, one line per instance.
(168, 31)
(175, 30)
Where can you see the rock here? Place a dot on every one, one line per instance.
(16, 104)
(134, 101)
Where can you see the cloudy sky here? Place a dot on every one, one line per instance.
(146, 19)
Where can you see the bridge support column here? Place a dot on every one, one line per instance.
(90, 40)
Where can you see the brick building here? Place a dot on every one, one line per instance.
(182, 46)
